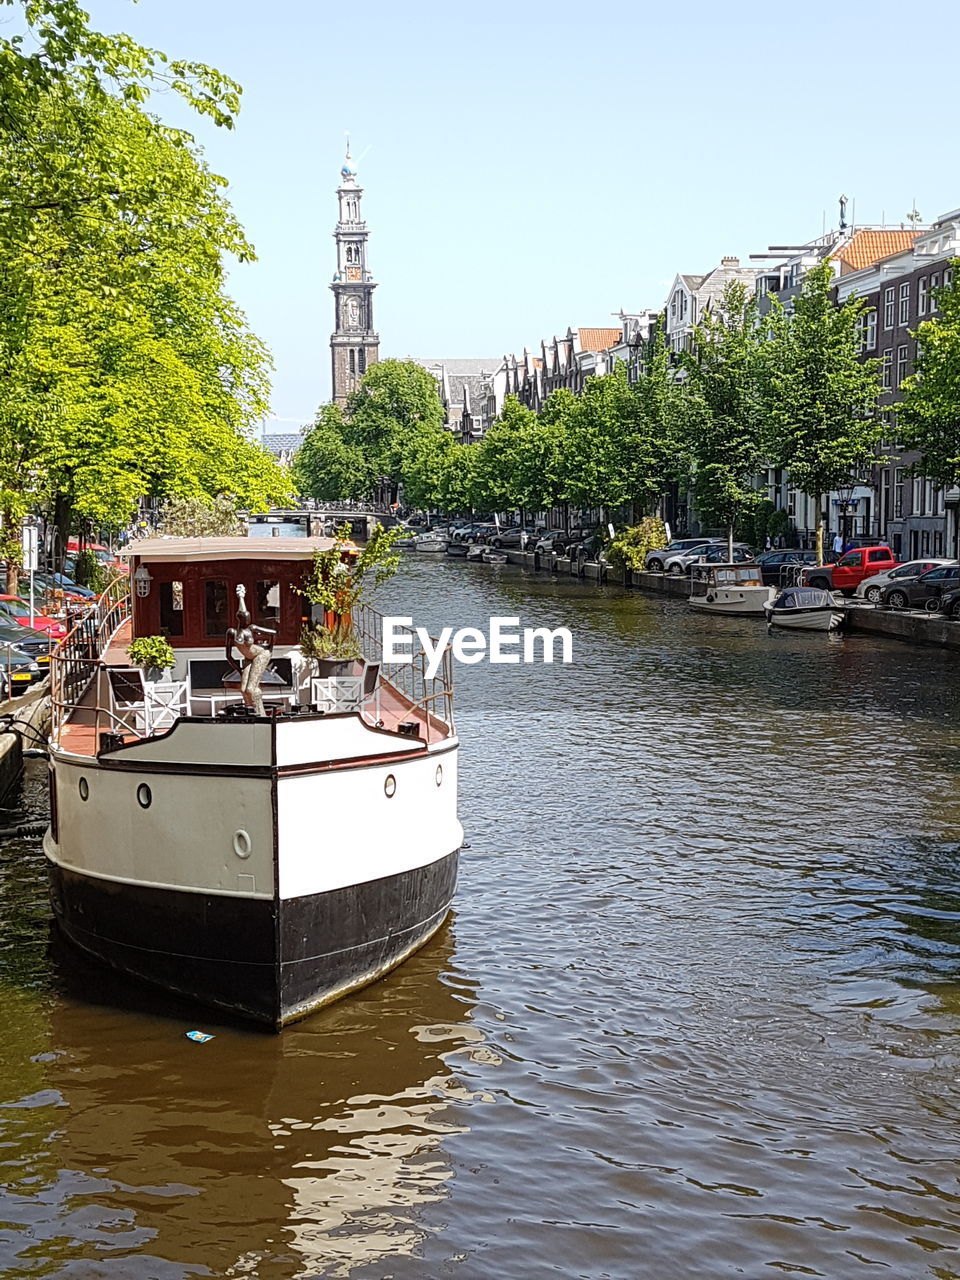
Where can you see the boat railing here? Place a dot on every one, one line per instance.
(76, 661)
(431, 695)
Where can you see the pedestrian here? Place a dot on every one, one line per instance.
(838, 544)
(768, 545)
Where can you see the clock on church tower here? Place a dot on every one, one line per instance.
(354, 344)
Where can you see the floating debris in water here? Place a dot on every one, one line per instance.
(201, 1037)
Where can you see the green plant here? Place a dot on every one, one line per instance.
(337, 584)
(629, 548)
(151, 652)
(339, 643)
(89, 572)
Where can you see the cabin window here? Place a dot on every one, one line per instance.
(268, 603)
(171, 608)
(215, 608)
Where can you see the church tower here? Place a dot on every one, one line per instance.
(354, 345)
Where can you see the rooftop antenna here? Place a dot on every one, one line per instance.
(914, 215)
(843, 213)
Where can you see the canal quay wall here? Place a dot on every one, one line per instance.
(911, 626)
(32, 711)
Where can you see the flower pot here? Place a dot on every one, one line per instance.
(327, 667)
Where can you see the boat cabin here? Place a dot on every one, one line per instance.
(727, 575)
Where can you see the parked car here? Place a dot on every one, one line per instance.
(18, 671)
(553, 541)
(851, 569)
(512, 537)
(708, 553)
(950, 604)
(872, 588)
(35, 644)
(654, 561)
(924, 592)
(16, 610)
(589, 547)
(774, 565)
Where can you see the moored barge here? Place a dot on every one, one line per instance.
(264, 864)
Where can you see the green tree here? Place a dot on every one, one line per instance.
(929, 414)
(393, 417)
(603, 428)
(722, 411)
(326, 467)
(820, 397)
(658, 454)
(201, 518)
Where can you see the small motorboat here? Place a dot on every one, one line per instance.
(458, 549)
(435, 543)
(492, 556)
(804, 609)
(730, 588)
(475, 551)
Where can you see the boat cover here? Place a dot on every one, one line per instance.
(804, 598)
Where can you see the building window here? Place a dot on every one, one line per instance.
(925, 542)
(887, 369)
(215, 608)
(903, 310)
(868, 331)
(948, 278)
(934, 286)
(363, 360)
(267, 609)
(903, 354)
(171, 608)
(898, 494)
(353, 360)
(916, 508)
(888, 304)
(923, 295)
(938, 544)
(884, 500)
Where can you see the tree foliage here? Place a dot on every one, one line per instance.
(819, 396)
(722, 410)
(929, 415)
(125, 369)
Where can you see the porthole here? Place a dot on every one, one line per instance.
(83, 786)
(439, 774)
(242, 844)
(389, 786)
(144, 796)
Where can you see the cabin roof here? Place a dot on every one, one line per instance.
(156, 549)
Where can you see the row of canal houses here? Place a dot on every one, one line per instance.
(896, 269)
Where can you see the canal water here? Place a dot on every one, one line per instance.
(696, 1014)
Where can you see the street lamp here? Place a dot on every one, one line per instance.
(845, 498)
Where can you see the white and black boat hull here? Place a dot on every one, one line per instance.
(262, 868)
(805, 619)
(271, 962)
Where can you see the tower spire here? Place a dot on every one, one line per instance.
(354, 344)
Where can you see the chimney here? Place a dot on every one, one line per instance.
(729, 262)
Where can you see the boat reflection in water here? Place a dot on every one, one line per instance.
(305, 1155)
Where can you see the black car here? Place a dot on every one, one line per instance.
(35, 644)
(950, 604)
(588, 547)
(776, 566)
(18, 671)
(924, 592)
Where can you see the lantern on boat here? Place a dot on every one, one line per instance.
(142, 579)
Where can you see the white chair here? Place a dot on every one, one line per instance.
(166, 702)
(128, 700)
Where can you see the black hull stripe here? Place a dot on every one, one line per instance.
(268, 959)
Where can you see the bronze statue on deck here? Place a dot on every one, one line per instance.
(256, 656)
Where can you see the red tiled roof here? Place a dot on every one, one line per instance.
(867, 247)
(599, 339)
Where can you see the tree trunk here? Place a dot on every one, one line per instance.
(13, 577)
(819, 528)
(61, 530)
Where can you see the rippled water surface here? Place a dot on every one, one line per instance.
(695, 1016)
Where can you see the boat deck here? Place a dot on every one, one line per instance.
(80, 734)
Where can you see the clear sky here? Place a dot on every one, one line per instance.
(532, 166)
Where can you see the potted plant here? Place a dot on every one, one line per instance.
(153, 655)
(333, 650)
(339, 580)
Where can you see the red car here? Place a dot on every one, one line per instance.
(18, 610)
(851, 569)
